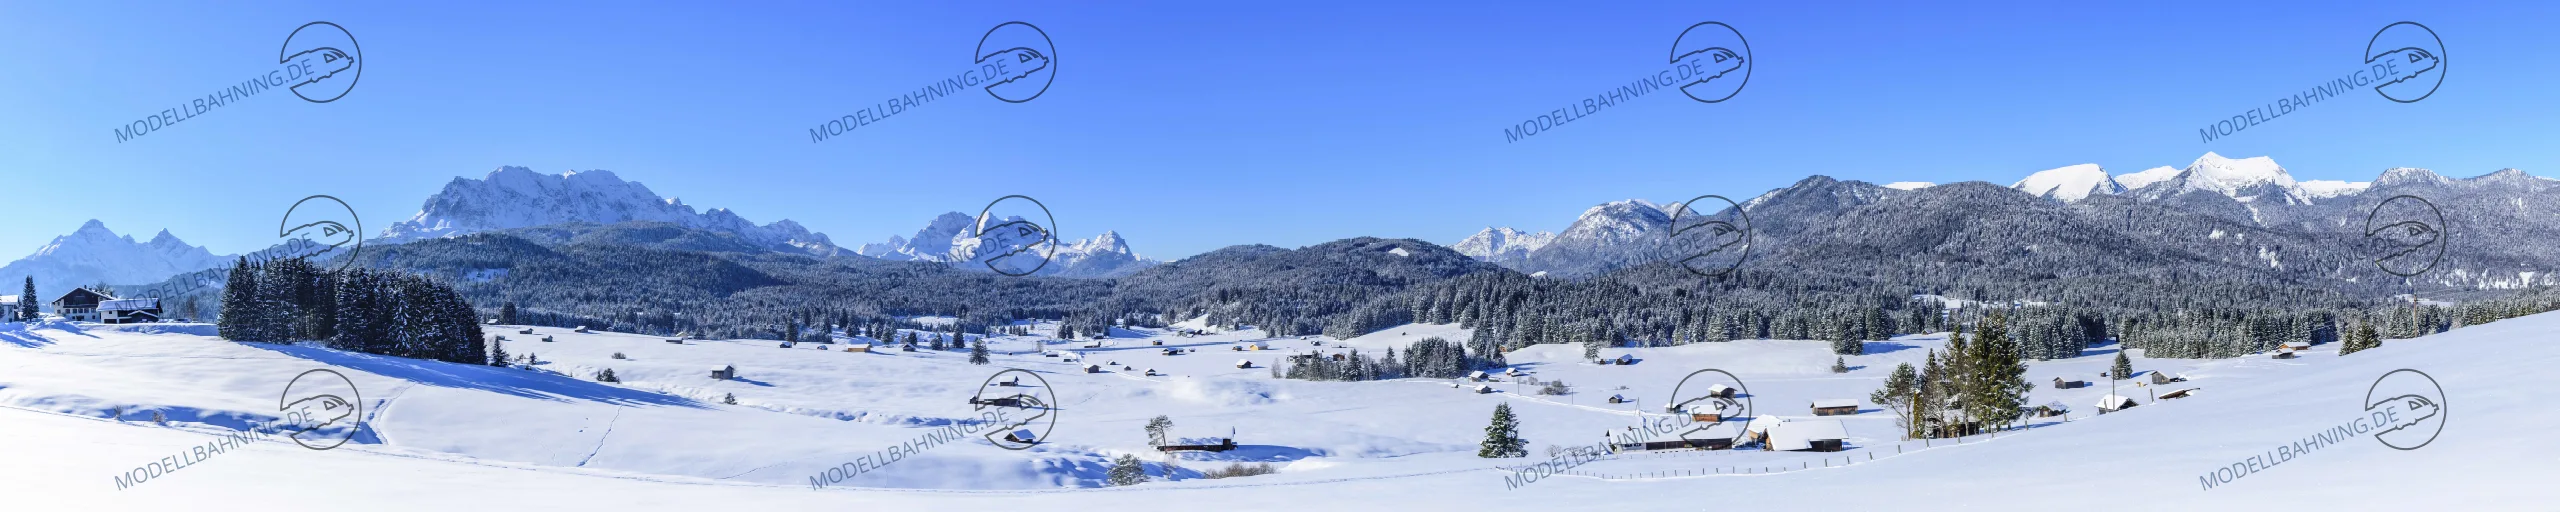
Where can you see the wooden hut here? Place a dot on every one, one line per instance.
(724, 372)
(1812, 435)
(1483, 389)
(1624, 359)
(2058, 383)
(2182, 393)
(1093, 368)
(2113, 403)
(1244, 363)
(1617, 399)
(1835, 407)
(1720, 390)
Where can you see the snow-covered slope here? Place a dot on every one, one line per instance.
(2069, 184)
(516, 197)
(1910, 185)
(458, 437)
(946, 239)
(94, 254)
(1502, 244)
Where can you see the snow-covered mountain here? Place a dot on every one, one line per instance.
(2249, 180)
(2069, 184)
(2135, 181)
(946, 239)
(1502, 244)
(1910, 185)
(94, 254)
(2324, 189)
(516, 197)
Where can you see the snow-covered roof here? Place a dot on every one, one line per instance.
(1478, 374)
(1763, 424)
(1799, 435)
(2114, 401)
(1718, 388)
(2297, 344)
(129, 304)
(8, 299)
(1699, 432)
(1835, 402)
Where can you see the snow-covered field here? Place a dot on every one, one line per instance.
(448, 437)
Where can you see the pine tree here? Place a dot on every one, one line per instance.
(1127, 470)
(2362, 338)
(498, 354)
(977, 352)
(729, 398)
(1591, 350)
(239, 303)
(507, 314)
(607, 376)
(27, 302)
(1158, 429)
(1839, 365)
(1502, 438)
(1998, 385)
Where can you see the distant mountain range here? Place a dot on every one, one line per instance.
(2216, 217)
(94, 254)
(516, 197)
(947, 239)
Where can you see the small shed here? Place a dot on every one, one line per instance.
(1244, 363)
(724, 372)
(1624, 359)
(1159, 342)
(546, 338)
(1256, 345)
(678, 341)
(2182, 393)
(1173, 351)
(1478, 376)
(2058, 383)
(2052, 409)
(864, 348)
(2161, 378)
(1093, 368)
(1513, 372)
(1483, 389)
(1758, 428)
(1151, 372)
(1720, 390)
(1617, 399)
(2297, 346)
(580, 330)
(1835, 407)
(1703, 437)
(2283, 354)
(1810, 435)
(2113, 403)
(527, 330)
(1340, 357)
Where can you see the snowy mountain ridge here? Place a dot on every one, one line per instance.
(517, 197)
(1502, 244)
(94, 254)
(945, 239)
(2069, 184)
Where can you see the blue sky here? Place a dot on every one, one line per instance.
(1192, 126)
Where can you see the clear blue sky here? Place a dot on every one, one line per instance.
(1192, 126)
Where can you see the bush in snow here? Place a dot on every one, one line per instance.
(729, 398)
(618, 355)
(1126, 470)
(607, 376)
(1240, 469)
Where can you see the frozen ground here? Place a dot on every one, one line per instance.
(447, 437)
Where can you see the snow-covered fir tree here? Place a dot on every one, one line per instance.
(1502, 437)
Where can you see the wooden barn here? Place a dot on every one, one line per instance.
(1244, 363)
(2182, 393)
(1198, 444)
(1835, 407)
(1703, 412)
(1720, 390)
(2058, 383)
(1093, 368)
(2158, 377)
(1483, 389)
(1617, 399)
(864, 348)
(1702, 437)
(724, 372)
(2297, 346)
(2284, 354)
